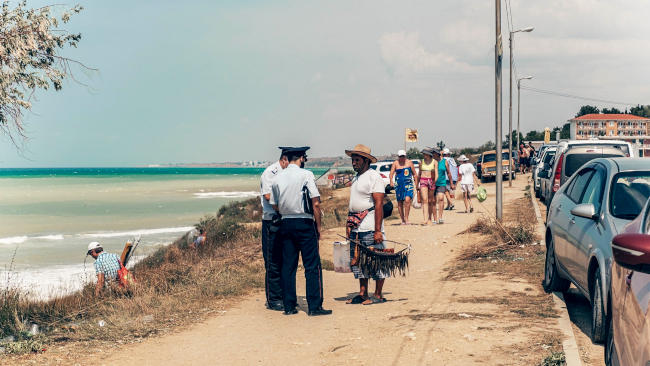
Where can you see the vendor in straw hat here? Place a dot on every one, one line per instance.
(366, 219)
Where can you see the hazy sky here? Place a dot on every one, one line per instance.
(209, 81)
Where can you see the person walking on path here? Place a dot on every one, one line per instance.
(271, 249)
(427, 178)
(444, 176)
(366, 220)
(453, 169)
(403, 171)
(467, 174)
(107, 266)
(531, 154)
(297, 200)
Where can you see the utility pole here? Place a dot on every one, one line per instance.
(510, 120)
(519, 104)
(497, 103)
(512, 36)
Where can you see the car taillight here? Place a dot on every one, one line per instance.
(383, 175)
(558, 174)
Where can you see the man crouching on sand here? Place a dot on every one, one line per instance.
(106, 266)
(366, 219)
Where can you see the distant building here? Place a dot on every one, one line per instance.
(626, 127)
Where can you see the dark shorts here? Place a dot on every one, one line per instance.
(441, 189)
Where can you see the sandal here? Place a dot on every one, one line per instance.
(374, 300)
(356, 300)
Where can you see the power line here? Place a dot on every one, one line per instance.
(573, 96)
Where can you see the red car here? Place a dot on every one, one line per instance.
(628, 339)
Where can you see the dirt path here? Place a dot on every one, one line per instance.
(425, 321)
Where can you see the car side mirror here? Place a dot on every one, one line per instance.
(586, 210)
(632, 251)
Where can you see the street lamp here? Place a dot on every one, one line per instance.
(519, 104)
(512, 35)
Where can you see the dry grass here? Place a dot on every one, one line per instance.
(510, 251)
(176, 285)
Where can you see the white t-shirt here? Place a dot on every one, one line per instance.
(361, 192)
(467, 170)
(266, 182)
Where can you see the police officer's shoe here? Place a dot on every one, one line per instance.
(275, 306)
(291, 311)
(319, 311)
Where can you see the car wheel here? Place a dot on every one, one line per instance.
(552, 280)
(598, 318)
(611, 355)
(536, 193)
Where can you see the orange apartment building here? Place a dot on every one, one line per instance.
(627, 127)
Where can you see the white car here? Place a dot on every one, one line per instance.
(383, 167)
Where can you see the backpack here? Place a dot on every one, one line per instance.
(125, 277)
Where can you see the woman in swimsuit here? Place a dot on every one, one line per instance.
(428, 176)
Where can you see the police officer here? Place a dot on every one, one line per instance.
(271, 249)
(296, 198)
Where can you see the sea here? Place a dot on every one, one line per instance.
(49, 215)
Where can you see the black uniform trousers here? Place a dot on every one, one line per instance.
(272, 252)
(298, 236)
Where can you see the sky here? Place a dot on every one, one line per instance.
(214, 81)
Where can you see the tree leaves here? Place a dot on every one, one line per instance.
(30, 42)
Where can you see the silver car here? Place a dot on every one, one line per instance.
(585, 214)
(542, 165)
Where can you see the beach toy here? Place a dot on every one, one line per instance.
(341, 257)
(481, 194)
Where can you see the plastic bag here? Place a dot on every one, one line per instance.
(481, 194)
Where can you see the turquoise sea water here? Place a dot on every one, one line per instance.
(48, 216)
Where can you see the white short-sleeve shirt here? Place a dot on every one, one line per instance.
(467, 170)
(363, 187)
(266, 181)
(287, 191)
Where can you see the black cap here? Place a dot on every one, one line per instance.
(293, 150)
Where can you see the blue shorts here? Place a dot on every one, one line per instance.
(366, 238)
(403, 191)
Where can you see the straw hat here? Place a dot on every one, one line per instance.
(361, 150)
(428, 151)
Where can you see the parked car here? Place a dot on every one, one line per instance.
(543, 165)
(628, 338)
(489, 165)
(537, 159)
(569, 158)
(593, 206)
(545, 178)
(383, 167)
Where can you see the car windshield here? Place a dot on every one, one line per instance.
(491, 157)
(629, 193)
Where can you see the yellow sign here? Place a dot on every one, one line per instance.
(547, 135)
(411, 135)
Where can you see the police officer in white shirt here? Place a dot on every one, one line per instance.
(271, 248)
(296, 198)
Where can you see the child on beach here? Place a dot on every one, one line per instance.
(467, 174)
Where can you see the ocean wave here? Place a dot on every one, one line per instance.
(227, 194)
(50, 237)
(23, 238)
(165, 230)
(13, 240)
